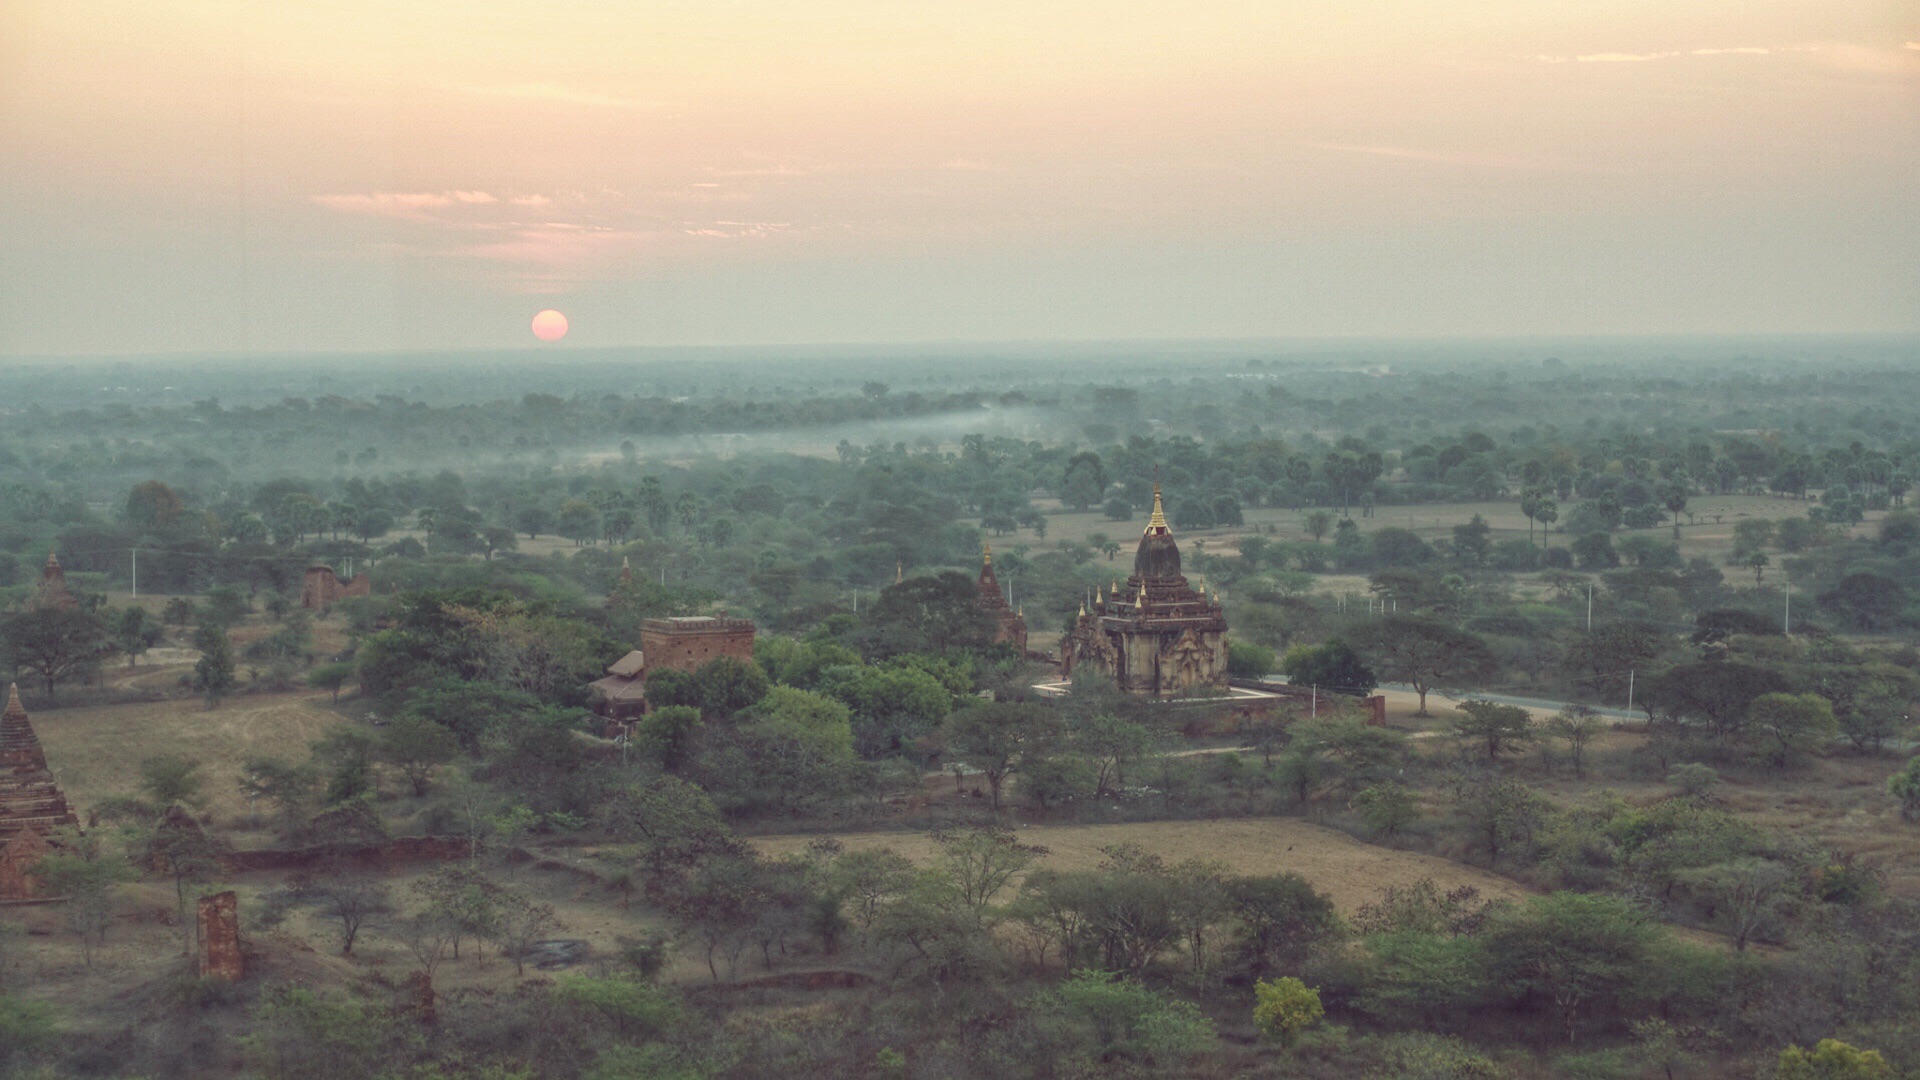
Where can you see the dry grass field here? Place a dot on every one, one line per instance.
(96, 752)
(1709, 531)
(1348, 870)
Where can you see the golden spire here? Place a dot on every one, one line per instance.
(1083, 609)
(986, 552)
(1099, 597)
(1158, 520)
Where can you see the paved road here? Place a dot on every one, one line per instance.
(1534, 705)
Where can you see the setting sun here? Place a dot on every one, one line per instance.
(549, 325)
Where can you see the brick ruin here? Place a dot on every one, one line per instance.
(691, 642)
(1009, 625)
(321, 588)
(31, 805)
(53, 591)
(219, 924)
(685, 643)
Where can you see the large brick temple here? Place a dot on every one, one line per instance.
(31, 805)
(1154, 634)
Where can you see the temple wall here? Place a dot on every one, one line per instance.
(692, 649)
(320, 588)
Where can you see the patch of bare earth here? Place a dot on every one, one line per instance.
(1349, 871)
(95, 752)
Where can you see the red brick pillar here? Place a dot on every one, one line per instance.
(220, 938)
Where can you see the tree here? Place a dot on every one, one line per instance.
(1281, 919)
(1832, 1059)
(976, 864)
(522, 923)
(1576, 725)
(1578, 951)
(213, 674)
(331, 677)
(1282, 1009)
(1386, 808)
(1716, 693)
(341, 892)
(1085, 481)
(173, 780)
(1470, 543)
(1673, 496)
(1791, 727)
(1332, 666)
(1747, 895)
(1495, 726)
(1317, 524)
(1905, 786)
(1500, 812)
(90, 880)
(1594, 551)
(1246, 660)
(994, 738)
(1425, 652)
(135, 632)
(55, 643)
(1101, 1022)
(1867, 601)
(152, 506)
(416, 747)
(931, 614)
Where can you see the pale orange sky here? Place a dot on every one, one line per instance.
(250, 175)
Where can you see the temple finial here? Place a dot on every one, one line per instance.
(986, 552)
(899, 571)
(1158, 520)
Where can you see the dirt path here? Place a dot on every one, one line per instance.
(1349, 871)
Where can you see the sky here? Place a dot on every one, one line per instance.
(244, 176)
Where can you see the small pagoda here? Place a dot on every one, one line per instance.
(31, 805)
(1008, 623)
(53, 592)
(1154, 634)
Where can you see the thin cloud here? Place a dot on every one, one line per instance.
(415, 206)
(402, 204)
(1914, 45)
(562, 94)
(530, 200)
(1435, 157)
(1641, 58)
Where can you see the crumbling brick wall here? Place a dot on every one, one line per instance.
(321, 588)
(220, 938)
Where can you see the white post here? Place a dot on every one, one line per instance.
(1589, 608)
(1629, 689)
(1314, 709)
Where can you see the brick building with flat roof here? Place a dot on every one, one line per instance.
(690, 642)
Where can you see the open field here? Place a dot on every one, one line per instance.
(96, 752)
(1708, 532)
(1349, 871)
